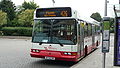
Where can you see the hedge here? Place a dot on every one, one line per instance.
(17, 31)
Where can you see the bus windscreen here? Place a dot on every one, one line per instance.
(53, 12)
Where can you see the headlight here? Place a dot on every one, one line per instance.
(34, 50)
(65, 53)
(37, 51)
(69, 53)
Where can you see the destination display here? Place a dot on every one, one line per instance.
(118, 43)
(54, 12)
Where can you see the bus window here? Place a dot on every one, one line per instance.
(89, 30)
(93, 29)
(86, 30)
(55, 31)
(78, 33)
(98, 29)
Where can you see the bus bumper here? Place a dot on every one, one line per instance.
(56, 55)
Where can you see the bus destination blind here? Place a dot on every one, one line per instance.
(53, 12)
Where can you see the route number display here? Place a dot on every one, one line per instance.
(53, 12)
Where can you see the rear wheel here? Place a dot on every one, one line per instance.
(97, 43)
(86, 50)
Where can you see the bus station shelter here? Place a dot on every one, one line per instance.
(117, 36)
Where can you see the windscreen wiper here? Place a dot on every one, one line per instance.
(40, 43)
(59, 42)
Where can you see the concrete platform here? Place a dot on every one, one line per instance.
(95, 60)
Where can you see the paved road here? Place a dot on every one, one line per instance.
(14, 53)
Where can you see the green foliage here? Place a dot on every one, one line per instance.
(111, 30)
(25, 18)
(19, 9)
(29, 5)
(8, 7)
(96, 16)
(111, 22)
(112, 25)
(3, 18)
(15, 23)
(1, 33)
(17, 31)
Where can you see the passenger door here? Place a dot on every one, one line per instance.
(82, 40)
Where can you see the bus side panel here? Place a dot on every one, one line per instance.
(97, 40)
(88, 44)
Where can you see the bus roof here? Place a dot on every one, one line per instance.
(61, 13)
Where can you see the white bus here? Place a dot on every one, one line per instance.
(59, 34)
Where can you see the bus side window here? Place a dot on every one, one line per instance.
(86, 30)
(78, 32)
(89, 30)
(93, 30)
(98, 29)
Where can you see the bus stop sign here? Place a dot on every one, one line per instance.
(105, 34)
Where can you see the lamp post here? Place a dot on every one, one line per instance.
(105, 7)
(53, 2)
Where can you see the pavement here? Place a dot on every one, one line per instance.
(95, 59)
(16, 37)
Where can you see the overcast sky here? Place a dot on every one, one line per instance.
(84, 7)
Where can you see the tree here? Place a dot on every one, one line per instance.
(19, 9)
(112, 24)
(3, 18)
(8, 7)
(29, 5)
(25, 18)
(96, 16)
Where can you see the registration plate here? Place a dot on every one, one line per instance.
(50, 58)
